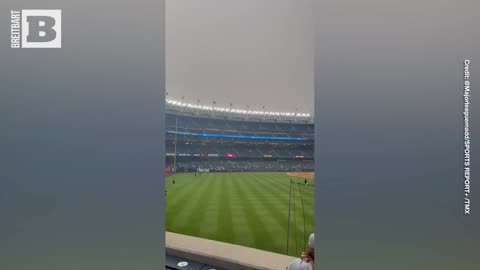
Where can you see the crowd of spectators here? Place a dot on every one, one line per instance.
(259, 165)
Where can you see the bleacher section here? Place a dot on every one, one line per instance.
(250, 165)
(208, 125)
(232, 145)
(240, 149)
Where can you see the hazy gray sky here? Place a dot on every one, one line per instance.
(255, 52)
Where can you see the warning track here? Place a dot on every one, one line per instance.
(309, 175)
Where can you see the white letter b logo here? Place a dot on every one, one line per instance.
(41, 28)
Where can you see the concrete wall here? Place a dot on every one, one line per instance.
(224, 255)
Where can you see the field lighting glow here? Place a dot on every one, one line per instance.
(237, 111)
(225, 136)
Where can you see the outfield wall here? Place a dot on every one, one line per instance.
(245, 171)
(224, 255)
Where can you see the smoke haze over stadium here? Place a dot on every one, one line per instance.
(256, 53)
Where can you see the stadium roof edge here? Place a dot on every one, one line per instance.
(190, 112)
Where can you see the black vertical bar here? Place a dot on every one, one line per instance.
(289, 203)
(303, 210)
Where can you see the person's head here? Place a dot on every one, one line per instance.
(307, 259)
(309, 253)
(310, 249)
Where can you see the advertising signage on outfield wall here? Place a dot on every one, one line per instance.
(298, 156)
(267, 156)
(184, 155)
(212, 155)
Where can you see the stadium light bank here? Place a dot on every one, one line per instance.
(237, 111)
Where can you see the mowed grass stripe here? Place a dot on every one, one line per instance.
(281, 188)
(256, 224)
(276, 214)
(185, 206)
(284, 180)
(177, 200)
(297, 232)
(200, 214)
(179, 192)
(273, 197)
(178, 197)
(281, 182)
(297, 229)
(244, 208)
(243, 235)
(224, 219)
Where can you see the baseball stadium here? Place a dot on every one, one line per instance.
(239, 177)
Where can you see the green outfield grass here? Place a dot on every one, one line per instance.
(248, 209)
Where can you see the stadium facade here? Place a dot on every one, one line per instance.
(215, 139)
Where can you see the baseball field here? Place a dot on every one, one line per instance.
(248, 209)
